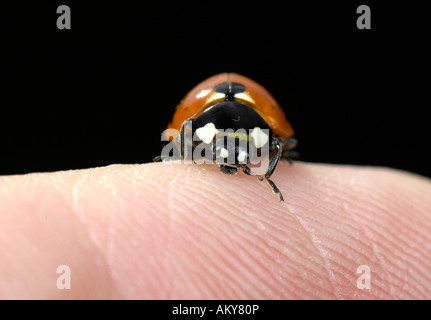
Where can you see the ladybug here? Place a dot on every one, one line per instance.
(232, 101)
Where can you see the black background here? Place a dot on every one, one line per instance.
(102, 92)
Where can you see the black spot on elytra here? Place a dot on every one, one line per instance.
(229, 89)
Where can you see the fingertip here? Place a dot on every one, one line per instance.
(333, 220)
(173, 231)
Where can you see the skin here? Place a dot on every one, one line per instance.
(169, 231)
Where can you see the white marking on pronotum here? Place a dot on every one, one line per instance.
(216, 96)
(260, 138)
(203, 93)
(224, 153)
(242, 156)
(244, 96)
(207, 133)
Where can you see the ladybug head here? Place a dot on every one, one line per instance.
(235, 133)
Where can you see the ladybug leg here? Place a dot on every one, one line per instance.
(274, 188)
(275, 159)
(272, 165)
(247, 170)
(290, 155)
(290, 144)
